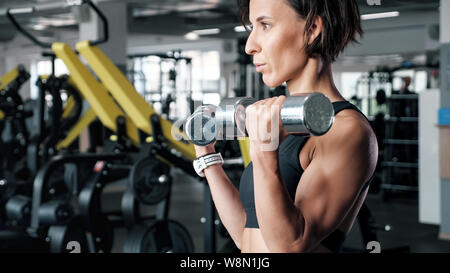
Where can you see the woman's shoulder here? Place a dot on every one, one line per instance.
(350, 142)
(350, 130)
(350, 122)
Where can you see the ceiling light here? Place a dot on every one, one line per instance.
(38, 27)
(239, 29)
(191, 36)
(209, 31)
(380, 15)
(149, 12)
(21, 10)
(56, 22)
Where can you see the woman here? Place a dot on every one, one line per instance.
(304, 195)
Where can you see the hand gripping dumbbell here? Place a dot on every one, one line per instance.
(306, 114)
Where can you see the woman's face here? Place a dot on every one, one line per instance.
(276, 41)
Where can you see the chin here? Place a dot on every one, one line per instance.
(271, 83)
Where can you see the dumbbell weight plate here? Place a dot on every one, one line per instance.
(162, 236)
(318, 114)
(201, 126)
(150, 180)
(307, 114)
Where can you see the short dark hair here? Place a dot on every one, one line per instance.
(341, 23)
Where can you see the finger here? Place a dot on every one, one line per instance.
(280, 100)
(278, 104)
(250, 113)
(264, 108)
(271, 100)
(251, 124)
(264, 102)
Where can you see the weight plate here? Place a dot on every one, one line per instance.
(163, 236)
(67, 238)
(318, 114)
(200, 127)
(150, 181)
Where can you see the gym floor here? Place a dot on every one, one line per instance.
(187, 208)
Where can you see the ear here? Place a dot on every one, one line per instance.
(315, 29)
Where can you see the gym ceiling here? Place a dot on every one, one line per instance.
(174, 17)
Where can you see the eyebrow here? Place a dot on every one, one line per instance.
(260, 18)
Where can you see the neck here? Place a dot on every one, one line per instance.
(315, 77)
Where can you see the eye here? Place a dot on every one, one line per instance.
(249, 27)
(265, 25)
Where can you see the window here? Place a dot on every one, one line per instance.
(349, 84)
(199, 79)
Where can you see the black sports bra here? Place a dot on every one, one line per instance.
(291, 172)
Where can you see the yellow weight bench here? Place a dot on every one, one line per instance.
(9, 77)
(68, 107)
(130, 100)
(88, 117)
(134, 104)
(95, 93)
(14, 78)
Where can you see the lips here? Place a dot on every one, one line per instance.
(259, 66)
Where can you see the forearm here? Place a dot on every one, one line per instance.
(272, 201)
(227, 201)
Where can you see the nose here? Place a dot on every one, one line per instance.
(252, 46)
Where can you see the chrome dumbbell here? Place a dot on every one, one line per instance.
(309, 114)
